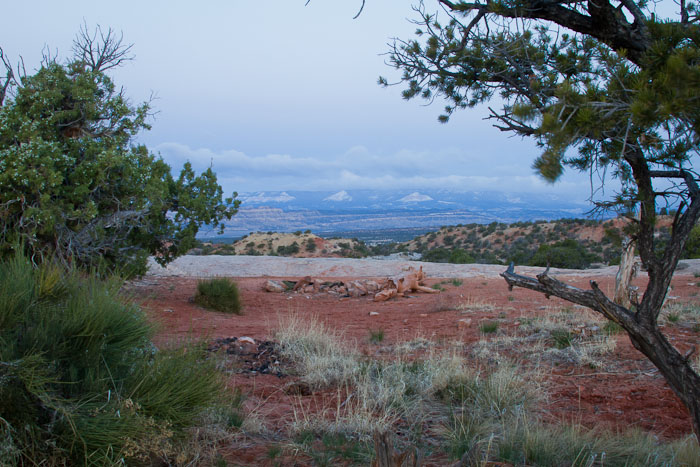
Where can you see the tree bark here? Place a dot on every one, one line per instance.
(625, 274)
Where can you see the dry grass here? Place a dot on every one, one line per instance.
(473, 305)
(573, 335)
(681, 314)
(322, 356)
(443, 404)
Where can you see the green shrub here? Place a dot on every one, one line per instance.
(80, 381)
(565, 254)
(310, 245)
(90, 193)
(288, 250)
(459, 256)
(437, 255)
(488, 327)
(220, 294)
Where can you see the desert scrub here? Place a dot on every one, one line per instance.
(80, 381)
(220, 294)
(681, 314)
(472, 305)
(573, 335)
(526, 441)
(319, 352)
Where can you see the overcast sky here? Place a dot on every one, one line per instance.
(282, 96)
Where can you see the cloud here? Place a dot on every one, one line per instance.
(361, 168)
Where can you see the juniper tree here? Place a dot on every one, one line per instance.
(75, 185)
(603, 86)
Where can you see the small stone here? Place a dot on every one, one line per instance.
(423, 315)
(373, 313)
(463, 323)
(247, 345)
(274, 286)
(168, 310)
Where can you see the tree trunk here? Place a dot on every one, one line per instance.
(625, 274)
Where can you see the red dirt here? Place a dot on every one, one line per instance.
(626, 392)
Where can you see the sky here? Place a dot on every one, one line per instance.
(279, 95)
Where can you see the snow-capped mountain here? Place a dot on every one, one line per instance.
(340, 196)
(347, 210)
(415, 197)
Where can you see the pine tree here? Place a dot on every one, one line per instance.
(604, 87)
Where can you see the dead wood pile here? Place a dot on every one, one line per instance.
(411, 281)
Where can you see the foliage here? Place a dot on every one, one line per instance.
(288, 250)
(692, 246)
(310, 245)
(565, 254)
(74, 184)
(443, 255)
(80, 381)
(220, 294)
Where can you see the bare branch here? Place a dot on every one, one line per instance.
(103, 52)
(594, 299)
(362, 7)
(7, 80)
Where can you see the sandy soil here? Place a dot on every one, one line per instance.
(626, 392)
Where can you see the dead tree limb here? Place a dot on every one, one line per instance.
(644, 333)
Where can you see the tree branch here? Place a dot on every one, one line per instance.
(103, 53)
(594, 299)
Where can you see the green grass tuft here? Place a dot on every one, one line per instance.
(376, 336)
(220, 294)
(488, 327)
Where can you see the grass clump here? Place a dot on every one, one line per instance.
(472, 305)
(682, 314)
(488, 327)
(220, 294)
(376, 336)
(80, 381)
(320, 355)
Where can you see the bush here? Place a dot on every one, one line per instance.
(437, 255)
(288, 250)
(81, 382)
(459, 256)
(220, 294)
(565, 254)
(89, 192)
(692, 245)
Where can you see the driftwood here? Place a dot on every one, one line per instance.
(413, 281)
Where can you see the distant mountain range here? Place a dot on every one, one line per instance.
(354, 210)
